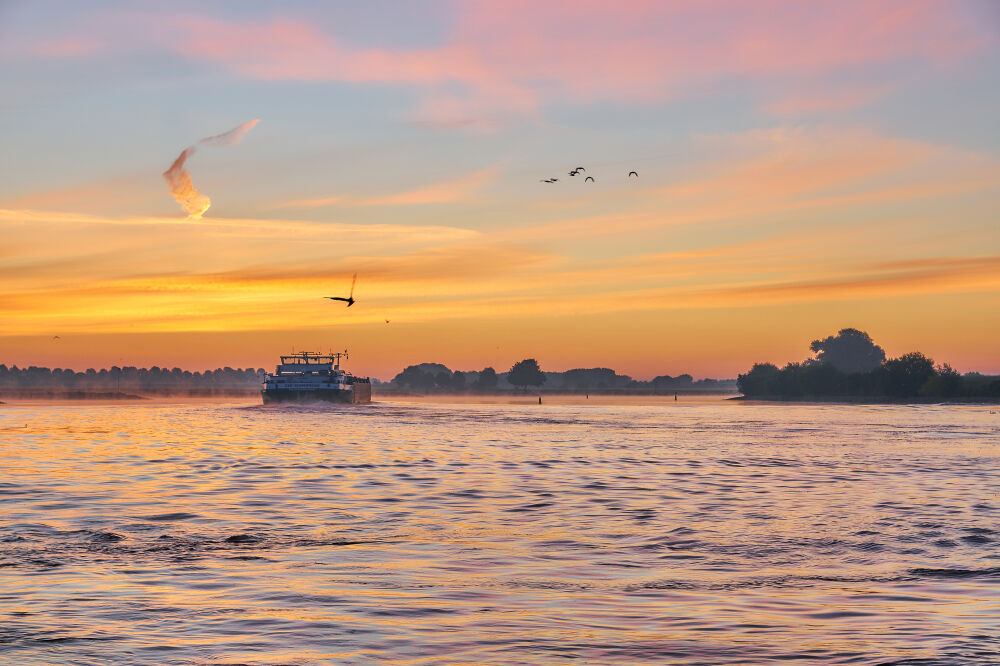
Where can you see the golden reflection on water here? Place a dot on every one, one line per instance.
(608, 529)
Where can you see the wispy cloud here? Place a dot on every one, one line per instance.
(194, 203)
(464, 188)
(452, 191)
(133, 246)
(311, 203)
(508, 59)
(933, 275)
(828, 98)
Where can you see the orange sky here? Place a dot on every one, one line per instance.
(789, 187)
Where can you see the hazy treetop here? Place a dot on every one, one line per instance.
(850, 350)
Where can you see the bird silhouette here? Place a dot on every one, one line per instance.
(350, 299)
(590, 178)
(632, 173)
(579, 169)
(56, 337)
(387, 321)
(573, 172)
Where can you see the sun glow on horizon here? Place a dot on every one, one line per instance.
(789, 185)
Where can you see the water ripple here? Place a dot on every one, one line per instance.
(713, 533)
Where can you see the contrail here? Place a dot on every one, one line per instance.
(191, 200)
(232, 136)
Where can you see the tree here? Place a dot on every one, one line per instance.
(487, 380)
(849, 351)
(759, 381)
(906, 375)
(668, 382)
(586, 378)
(458, 381)
(526, 373)
(414, 378)
(945, 383)
(443, 380)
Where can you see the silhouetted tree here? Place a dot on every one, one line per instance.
(906, 375)
(153, 379)
(850, 350)
(759, 381)
(945, 383)
(458, 381)
(414, 378)
(526, 373)
(668, 382)
(487, 380)
(585, 378)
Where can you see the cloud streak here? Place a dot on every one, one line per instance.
(460, 189)
(503, 60)
(194, 203)
(452, 191)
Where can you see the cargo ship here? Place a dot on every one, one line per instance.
(312, 376)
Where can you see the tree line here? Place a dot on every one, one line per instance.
(130, 379)
(525, 374)
(851, 365)
(423, 378)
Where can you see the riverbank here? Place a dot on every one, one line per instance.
(871, 400)
(70, 395)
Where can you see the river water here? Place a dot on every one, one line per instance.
(710, 532)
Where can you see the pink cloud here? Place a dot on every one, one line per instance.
(508, 59)
(67, 47)
(830, 98)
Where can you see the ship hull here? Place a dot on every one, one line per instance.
(361, 393)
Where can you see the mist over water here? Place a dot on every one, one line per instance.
(706, 533)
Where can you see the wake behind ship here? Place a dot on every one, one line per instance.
(311, 376)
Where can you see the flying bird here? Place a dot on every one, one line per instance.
(573, 172)
(579, 169)
(590, 178)
(387, 321)
(56, 337)
(350, 299)
(632, 173)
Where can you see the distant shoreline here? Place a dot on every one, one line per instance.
(120, 396)
(557, 391)
(871, 400)
(54, 394)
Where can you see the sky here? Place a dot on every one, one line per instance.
(802, 167)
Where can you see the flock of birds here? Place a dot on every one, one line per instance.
(577, 170)
(350, 297)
